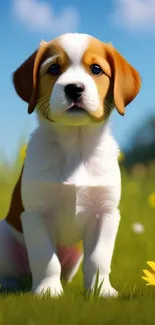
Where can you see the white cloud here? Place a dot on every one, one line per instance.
(39, 16)
(135, 14)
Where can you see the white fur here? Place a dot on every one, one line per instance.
(90, 98)
(74, 45)
(71, 190)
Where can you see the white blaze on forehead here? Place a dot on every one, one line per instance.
(74, 45)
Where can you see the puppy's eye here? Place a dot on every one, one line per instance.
(96, 69)
(54, 69)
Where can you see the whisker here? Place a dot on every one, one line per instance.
(108, 104)
(43, 99)
(107, 108)
(43, 109)
(45, 96)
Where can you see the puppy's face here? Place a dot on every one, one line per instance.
(76, 80)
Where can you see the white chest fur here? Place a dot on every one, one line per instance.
(71, 175)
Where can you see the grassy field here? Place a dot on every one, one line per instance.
(136, 302)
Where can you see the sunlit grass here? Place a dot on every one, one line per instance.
(135, 304)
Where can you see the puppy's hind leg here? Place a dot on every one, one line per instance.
(8, 272)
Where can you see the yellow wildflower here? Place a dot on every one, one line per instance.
(121, 156)
(149, 276)
(151, 200)
(22, 153)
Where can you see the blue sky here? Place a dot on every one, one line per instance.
(128, 24)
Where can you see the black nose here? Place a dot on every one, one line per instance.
(74, 91)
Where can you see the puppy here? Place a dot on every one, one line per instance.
(70, 187)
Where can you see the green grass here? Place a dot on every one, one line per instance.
(135, 304)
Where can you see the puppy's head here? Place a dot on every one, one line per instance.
(75, 80)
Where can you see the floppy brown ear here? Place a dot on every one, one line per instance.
(25, 77)
(127, 81)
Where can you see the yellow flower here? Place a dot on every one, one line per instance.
(121, 156)
(22, 153)
(149, 276)
(151, 200)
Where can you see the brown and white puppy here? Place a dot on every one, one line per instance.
(70, 185)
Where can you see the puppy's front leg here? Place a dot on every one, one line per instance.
(44, 263)
(99, 243)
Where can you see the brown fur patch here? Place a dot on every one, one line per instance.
(28, 84)
(127, 80)
(95, 54)
(46, 81)
(118, 74)
(16, 206)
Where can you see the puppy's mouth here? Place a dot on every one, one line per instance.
(75, 109)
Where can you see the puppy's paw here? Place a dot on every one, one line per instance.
(52, 286)
(109, 292)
